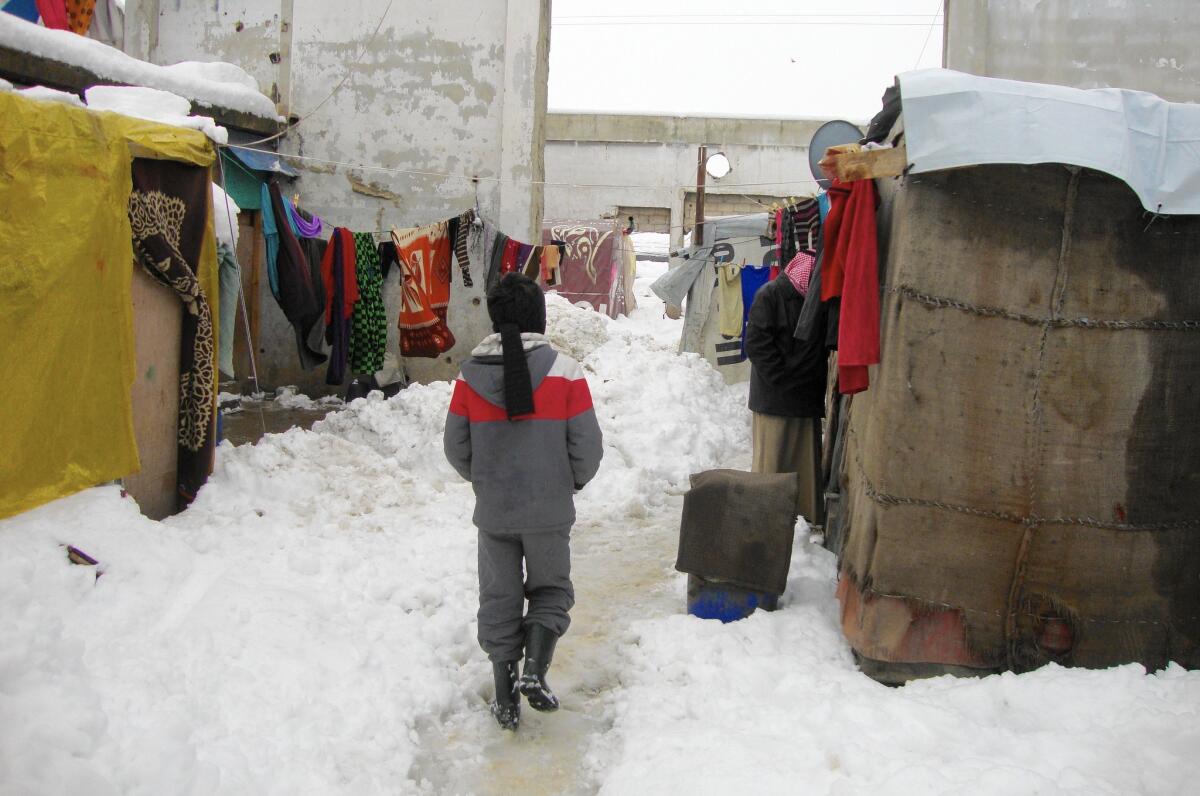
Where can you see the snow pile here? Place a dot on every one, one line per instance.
(155, 105)
(307, 626)
(289, 398)
(655, 244)
(50, 95)
(223, 85)
(775, 699)
(225, 219)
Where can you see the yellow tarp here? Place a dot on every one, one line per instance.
(66, 325)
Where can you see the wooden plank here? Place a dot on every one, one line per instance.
(848, 165)
(27, 69)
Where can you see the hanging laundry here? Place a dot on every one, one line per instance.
(72, 15)
(512, 251)
(730, 316)
(271, 238)
(424, 255)
(551, 261)
(857, 245)
(341, 291)
(298, 296)
(387, 258)
(230, 276)
(460, 231)
(168, 215)
(752, 279)
(25, 9)
(368, 331)
(314, 253)
(305, 225)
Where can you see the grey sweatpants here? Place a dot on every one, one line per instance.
(503, 589)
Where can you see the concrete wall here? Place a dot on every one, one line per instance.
(1148, 45)
(450, 88)
(659, 154)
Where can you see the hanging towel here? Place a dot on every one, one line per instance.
(168, 215)
(230, 277)
(729, 300)
(341, 291)
(298, 296)
(368, 332)
(424, 254)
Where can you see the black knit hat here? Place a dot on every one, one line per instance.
(515, 305)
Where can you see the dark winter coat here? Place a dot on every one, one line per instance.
(525, 471)
(787, 375)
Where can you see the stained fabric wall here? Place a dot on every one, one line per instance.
(1022, 479)
(65, 293)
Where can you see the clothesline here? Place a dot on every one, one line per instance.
(510, 180)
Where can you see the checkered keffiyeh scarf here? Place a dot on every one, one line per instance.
(799, 270)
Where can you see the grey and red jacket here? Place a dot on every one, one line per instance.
(524, 471)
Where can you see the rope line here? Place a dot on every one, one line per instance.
(942, 302)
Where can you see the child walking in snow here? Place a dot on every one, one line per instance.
(521, 428)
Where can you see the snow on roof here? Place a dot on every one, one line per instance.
(953, 119)
(155, 105)
(218, 85)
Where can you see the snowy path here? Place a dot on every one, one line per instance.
(620, 574)
(307, 627)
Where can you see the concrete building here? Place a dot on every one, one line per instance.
(593, 162)
(436, 89)
(1149, 45)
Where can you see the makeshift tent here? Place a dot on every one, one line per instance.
(598, 266)
(737, 240)
(1021, 482)
(65, 293)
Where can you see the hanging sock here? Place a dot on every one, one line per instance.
(424, 254)
(368, 330)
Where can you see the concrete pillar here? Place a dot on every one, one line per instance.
(523, 134)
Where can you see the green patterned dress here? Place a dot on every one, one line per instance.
(368, 330)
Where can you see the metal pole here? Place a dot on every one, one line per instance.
(698, 235)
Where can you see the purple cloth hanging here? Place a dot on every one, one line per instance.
(307, 229)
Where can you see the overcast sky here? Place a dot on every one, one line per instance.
(744, 58)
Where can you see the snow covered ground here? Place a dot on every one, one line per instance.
(308, 627)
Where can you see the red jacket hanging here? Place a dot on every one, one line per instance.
(850, 268)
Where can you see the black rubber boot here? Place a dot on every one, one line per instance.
(506, 707)
(539, 650)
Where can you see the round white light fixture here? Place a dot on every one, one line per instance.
(717, 165)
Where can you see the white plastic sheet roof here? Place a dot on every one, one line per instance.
(953, 119)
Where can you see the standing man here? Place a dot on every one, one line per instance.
(521, 428)
(787, 384)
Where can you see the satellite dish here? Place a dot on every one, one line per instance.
(827, 135)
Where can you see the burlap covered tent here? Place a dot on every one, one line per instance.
(1021, 482)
